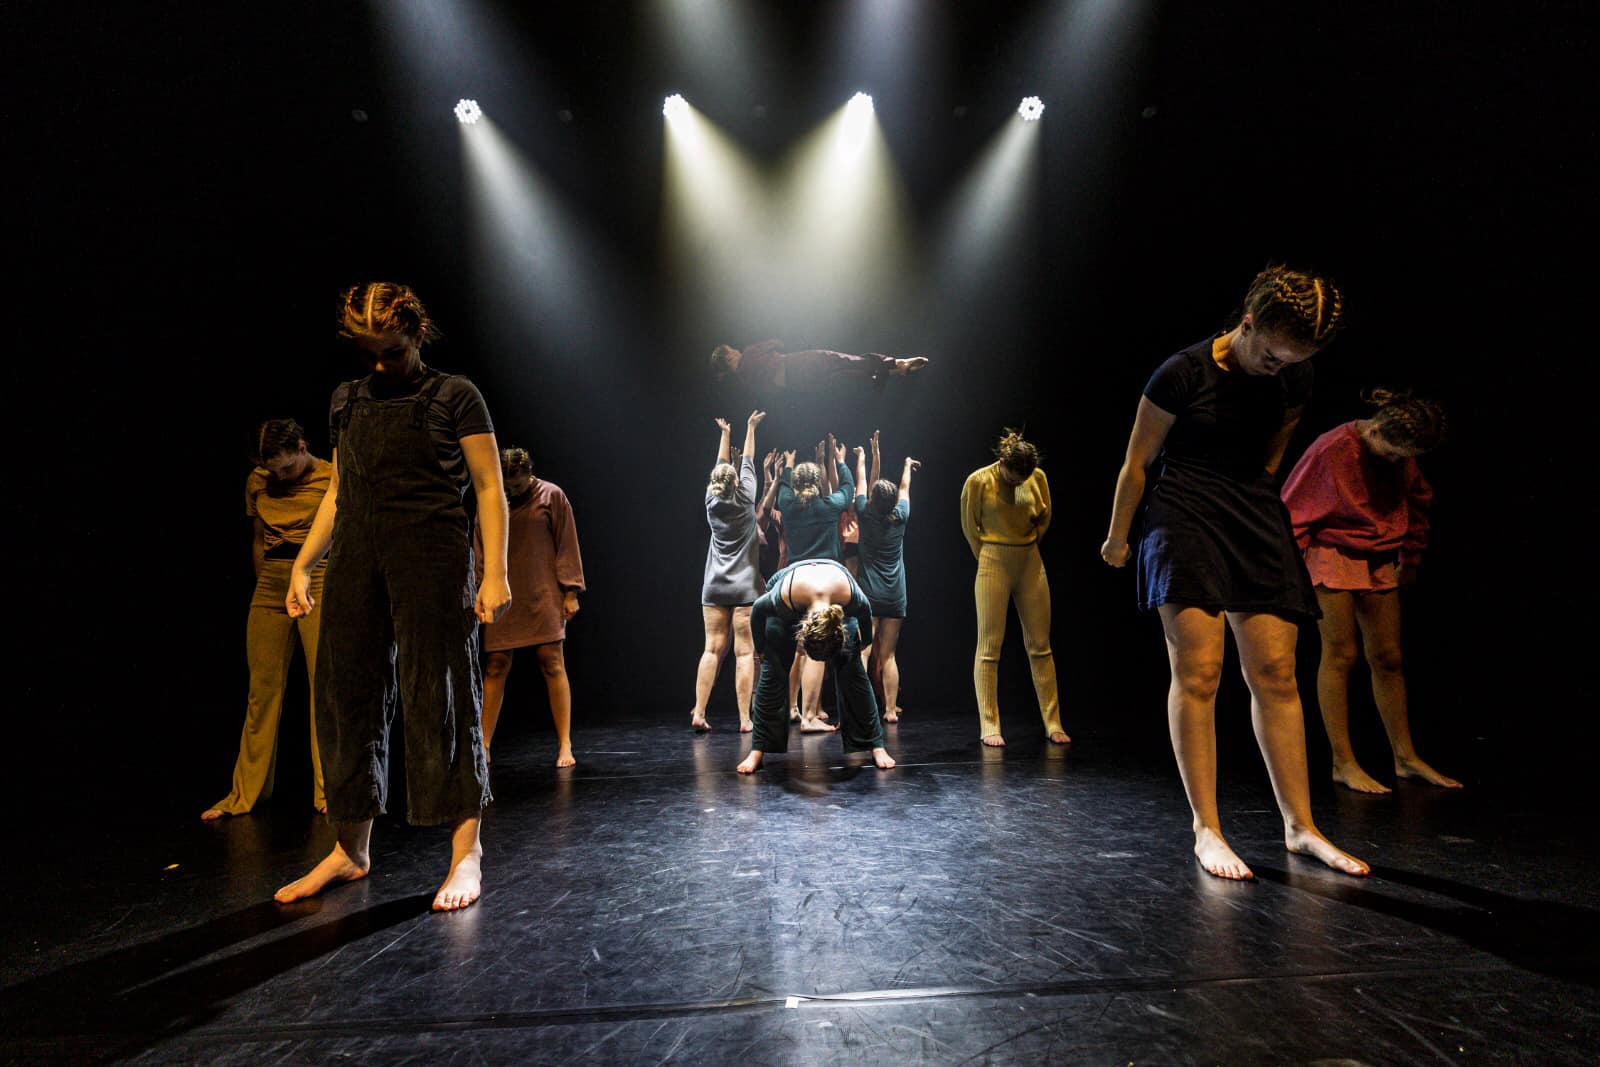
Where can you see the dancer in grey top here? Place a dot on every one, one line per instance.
(732, 576)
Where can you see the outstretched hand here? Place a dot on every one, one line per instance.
(722, 424)
(788, 458)
(913, 464)
(910, 366)
(756, 417)
(874, 440)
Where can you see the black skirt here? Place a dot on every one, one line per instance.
(1221, 542)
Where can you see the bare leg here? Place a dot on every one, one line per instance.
(1195, 641)
(1379, 616)
(886, 638)
(717, 622)
(496, 669)
(349, 861)
(812, 673)
(1266, 651)
(465, 880)
(553, 662)
(744, 665)
(1339, 650)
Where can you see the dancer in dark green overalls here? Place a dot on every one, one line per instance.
(400, 613)
(817, 606)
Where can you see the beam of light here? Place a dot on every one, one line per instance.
(468, 111)
(675, 107)
(718, 233)
(1031, 108)
(989, 220)
(537, 272)
(845, 222)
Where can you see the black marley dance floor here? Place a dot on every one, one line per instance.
(1026, 906)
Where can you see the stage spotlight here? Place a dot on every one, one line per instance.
(1031, 108)
(675, 107)
(468, 112)
(861, 103)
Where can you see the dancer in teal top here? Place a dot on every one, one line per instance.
(811, 519)
(883, 511)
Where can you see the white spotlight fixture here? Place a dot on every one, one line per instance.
(861, 102)
(675, 106)
(1031, 108)
(468, 112)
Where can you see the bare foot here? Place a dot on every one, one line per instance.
(1411, 768)
(212, 814)
(745, 726)
(1310, 843)
(751, 763)
(336, 867)
(822, 715)
(697, 721)
(816, 726)
(462, 884)
(891, 716)
(1353, 777)
(565, 758)
(1059, 737)
(881, 757)
(794, 714)
(995, 741)
(1217, 858)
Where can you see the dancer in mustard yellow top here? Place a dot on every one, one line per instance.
(1005, 510)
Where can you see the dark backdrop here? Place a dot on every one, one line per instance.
(190, 189)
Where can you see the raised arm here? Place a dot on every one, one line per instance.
(1150, 428)
(299, 602)
(750, 433)
(482, 454)
(877, 464)
(722, 444)
(861, 477)
(844, 492)
(773, 460)
(905, 481)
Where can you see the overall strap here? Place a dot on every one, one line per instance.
(425, 396)
(349, 403)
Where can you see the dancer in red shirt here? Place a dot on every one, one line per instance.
(1360, 510)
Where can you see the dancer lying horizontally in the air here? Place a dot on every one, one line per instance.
(766, 366)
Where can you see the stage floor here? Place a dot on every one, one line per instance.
(1030, 905)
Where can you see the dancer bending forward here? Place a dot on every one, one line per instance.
(1216, 551)
(408, 442)
(1360, 509)
(834, 622)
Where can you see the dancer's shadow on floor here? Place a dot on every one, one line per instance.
(114, 1005)
(1547, 937)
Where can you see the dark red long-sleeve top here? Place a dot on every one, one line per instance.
(1342, 495)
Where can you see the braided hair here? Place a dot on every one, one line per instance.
(807, 480)
(277, 436)
(1019, 455)
(723, 477)
(376, 308)
(515, 461)
(1301, 307)
(1406, 421)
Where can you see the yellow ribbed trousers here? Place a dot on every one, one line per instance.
(1007, 574)
(269, 646)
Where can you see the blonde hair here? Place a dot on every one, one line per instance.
(723, 477)
(1299, 306)
(821, 632)
(807, 480)
(376, 308)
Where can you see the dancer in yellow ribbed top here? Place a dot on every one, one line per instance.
(1005, 510)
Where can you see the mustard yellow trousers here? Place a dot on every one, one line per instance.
(1010, 574)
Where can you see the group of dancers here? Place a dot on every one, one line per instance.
(411, 577)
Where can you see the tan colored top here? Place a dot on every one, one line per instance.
(995, 512)
(286, 509)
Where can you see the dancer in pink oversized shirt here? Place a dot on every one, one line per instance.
(1359, 504)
